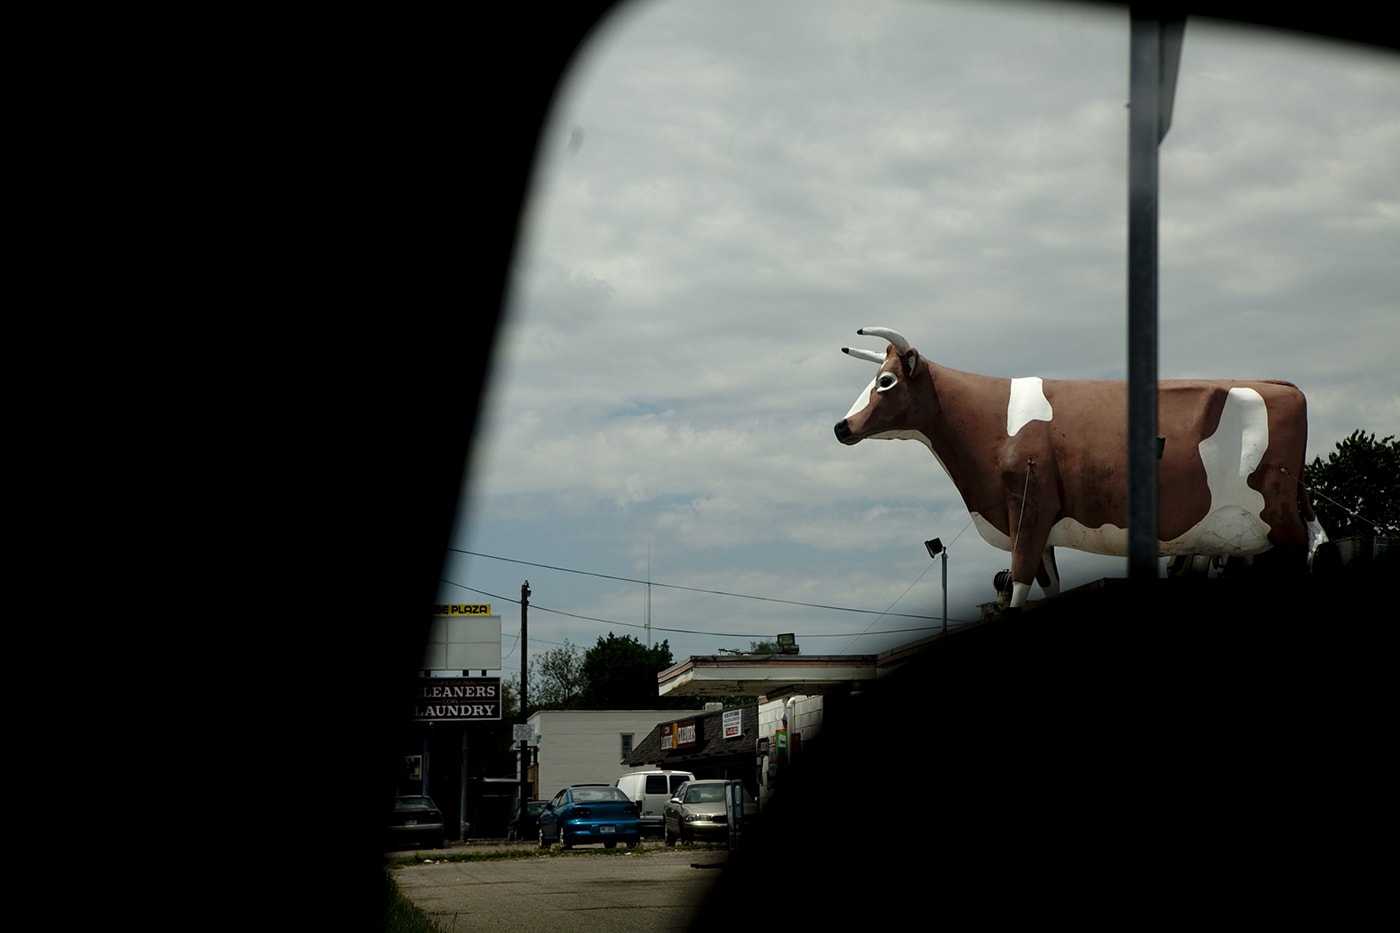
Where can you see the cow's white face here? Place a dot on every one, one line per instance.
(883, 382)
(882, 410)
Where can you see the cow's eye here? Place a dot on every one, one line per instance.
(886, 381)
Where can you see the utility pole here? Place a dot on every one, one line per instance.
(524, 676)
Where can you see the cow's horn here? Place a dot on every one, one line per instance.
(868, 355)
(893, 336)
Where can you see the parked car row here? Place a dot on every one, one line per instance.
(672, 804)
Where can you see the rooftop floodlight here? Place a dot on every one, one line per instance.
(935, 548)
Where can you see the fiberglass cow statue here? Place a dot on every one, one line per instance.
(1042, 463)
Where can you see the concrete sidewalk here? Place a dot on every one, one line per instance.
(651, 888)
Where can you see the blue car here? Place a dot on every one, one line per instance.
(585, 814)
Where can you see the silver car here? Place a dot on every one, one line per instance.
(700, 811)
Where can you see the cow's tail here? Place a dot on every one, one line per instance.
(1317, 535)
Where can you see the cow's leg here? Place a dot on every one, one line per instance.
(1031, 506)
(1019, 593)
(1028, 556)
(1049, 575)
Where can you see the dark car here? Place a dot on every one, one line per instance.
(525, 824)
(584, 814)
(416, 820)
(700, 810)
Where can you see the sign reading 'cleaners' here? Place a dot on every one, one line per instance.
(457, 699)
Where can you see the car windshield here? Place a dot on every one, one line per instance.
(705, 793)
(414, 803)
(597, 794)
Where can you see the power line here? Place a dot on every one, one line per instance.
(674, 631)
(674, 586)
(896, 600)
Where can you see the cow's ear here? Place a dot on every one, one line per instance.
(911, 360)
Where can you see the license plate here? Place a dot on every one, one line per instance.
(410, 822)
(607, 829)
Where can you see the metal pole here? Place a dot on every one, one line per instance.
(945, 591)
(524, 676)
(935, 548)
(1147, 123)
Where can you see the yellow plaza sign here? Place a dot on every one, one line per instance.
(468, 609)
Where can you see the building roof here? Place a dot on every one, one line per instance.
(778, 675)
(712, 744)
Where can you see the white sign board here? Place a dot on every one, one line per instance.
(463, 643)
(733, 722)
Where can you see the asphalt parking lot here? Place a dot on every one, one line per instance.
(650, 888)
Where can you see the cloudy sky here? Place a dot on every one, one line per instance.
(727, 190)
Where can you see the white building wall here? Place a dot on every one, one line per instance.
(804, 715)
(585, 746)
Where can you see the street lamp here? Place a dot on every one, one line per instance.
(935, 548)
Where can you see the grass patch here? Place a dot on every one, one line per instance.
(403, 916)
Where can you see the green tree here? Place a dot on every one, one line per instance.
(1356, 491)
(620, 673)
(510, 697)
(557, 680)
